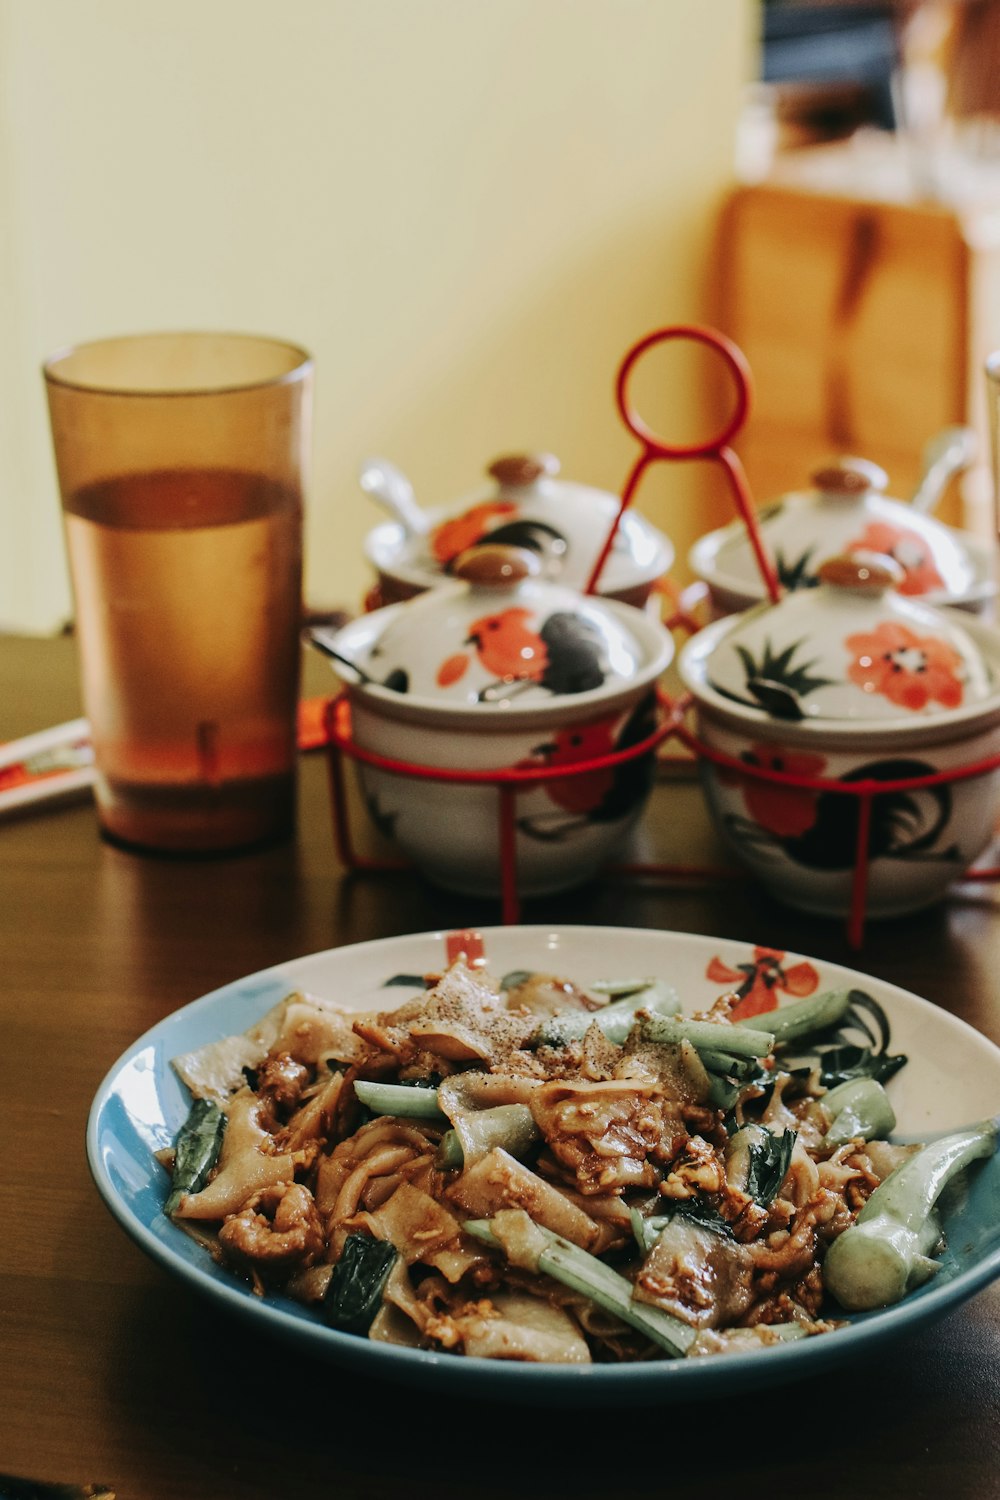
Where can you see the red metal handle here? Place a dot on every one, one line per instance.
(717, 447)
(735, 361)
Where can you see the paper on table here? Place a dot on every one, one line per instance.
(59, 762)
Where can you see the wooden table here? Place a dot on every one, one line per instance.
(114, 1372)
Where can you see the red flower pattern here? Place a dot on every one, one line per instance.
(454, 535)
(910, 670)
(759, 983)
(908, 548)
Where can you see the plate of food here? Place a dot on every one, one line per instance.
(563, 1165)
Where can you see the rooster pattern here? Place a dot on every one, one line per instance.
(905, 824)
(607, 794)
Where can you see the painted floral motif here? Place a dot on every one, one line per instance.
(796, 573)
(759, 982)
(909, 669)
(508, 645)
(562, 653)
(775, 681)
(786, 811)
(908, 548)
(455, 535)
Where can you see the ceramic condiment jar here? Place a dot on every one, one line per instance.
(501, 671)
(802, 709)
(846, 510)
(500, 635)
(564, 523)
(853, 649)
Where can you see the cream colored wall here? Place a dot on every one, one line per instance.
(467, 210)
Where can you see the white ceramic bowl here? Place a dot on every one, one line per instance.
(565, 523)
(952, 1076)
(846, 512)
(911, 691)
(442, 700)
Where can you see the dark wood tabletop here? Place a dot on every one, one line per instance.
(114, 1372)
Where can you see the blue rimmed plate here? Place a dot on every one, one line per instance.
(952, 1078)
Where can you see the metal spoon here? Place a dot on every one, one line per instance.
(391, 488)
(952, 452)
(396, 682)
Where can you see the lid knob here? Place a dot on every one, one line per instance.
(516, 469)
(495, 566)
(850, 476)
(862, 572)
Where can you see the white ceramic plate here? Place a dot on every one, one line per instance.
(952, 1078)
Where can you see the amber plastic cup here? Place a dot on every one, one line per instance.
(181, 460)
(993, 413)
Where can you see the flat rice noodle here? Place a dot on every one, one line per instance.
(373, 1165)
(424, 1232)
(545, 995)
(611, 1215)
(313, 1029)
(333, 1171)
(452, 1040)
(310, 1284)
(462, 1019)
(472, 1090)
(678, 1069)
(802, 1179)
(499, 1182)
(701, 1277)
(215, 1071)
(399, 1293)
(309, 1028)
(602, 1131)
(227, 1193)
(886, 1157)
(247, 1163)
(528, 1330)
(391, 1326)
(314, 1119)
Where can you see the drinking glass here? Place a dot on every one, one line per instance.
(181, 460)
(993, 413)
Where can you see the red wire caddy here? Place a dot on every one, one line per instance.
(672, 714)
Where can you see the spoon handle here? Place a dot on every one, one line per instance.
(391, 488)
(951, 452)
(323, 641)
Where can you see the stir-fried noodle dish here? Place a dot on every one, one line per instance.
(539, 1171)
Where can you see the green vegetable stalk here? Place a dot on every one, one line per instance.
(716, 1036)
(196, 1151)
(408, 1101)
(584, 1273)
(885, 1252)
(859, 1108)
(790, 1022)
(510, 1126)
(615, 1020)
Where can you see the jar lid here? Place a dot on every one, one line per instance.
(846, 511)
(563, 522)
(501, 637)
(851, 650)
